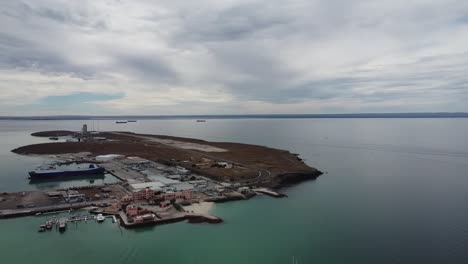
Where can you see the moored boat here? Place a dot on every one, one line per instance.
(100, 218)
(62, 225)
(42, 228)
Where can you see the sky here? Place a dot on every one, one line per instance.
(169, 57)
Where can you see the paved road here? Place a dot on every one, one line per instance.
(49, 208)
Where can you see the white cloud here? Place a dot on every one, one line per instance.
(212, 56)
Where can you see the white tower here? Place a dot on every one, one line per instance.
(84, 130)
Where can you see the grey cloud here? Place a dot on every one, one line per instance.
(277, 52)
(25, 55)
(49, 64)
(436, 76)
(8, 41)
(77, 17)
(147, 67)
(235, 23)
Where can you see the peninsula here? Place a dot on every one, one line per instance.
(221, 161)
(161, 179)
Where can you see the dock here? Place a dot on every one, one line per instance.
(269, 192)
(192, 218)
(61, 222)
(9, 213)
(158, 221)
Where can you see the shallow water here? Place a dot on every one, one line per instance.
(395, 191)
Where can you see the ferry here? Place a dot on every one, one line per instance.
(72, 169)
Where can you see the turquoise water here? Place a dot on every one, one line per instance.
(395, 192)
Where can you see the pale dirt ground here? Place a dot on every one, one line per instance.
(184, 145)
(200, 208)
(188, 145)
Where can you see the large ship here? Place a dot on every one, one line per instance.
(72, 169)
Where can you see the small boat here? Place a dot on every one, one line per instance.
(100, 218)
(48, 225)
(201, 120)
(121, 122)
(42, 228)
(131, 121)
(62, 225)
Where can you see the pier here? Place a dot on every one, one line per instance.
(191, 217)
(60, 223)
(43, 210)
(269, 192)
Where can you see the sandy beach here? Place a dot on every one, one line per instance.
(200, 208)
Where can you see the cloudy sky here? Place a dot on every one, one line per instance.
(232, 56)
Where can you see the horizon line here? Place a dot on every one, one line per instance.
(234, 116)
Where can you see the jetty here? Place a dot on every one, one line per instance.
(269, 192)
(155, 220)
(9, 213)
(61, 223)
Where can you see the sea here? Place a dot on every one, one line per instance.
(394, 190)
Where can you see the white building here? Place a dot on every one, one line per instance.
(154, 186)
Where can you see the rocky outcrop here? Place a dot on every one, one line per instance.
(285, 179)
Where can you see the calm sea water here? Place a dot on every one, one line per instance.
(396, 191)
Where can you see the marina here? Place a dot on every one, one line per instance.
(60, 223)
